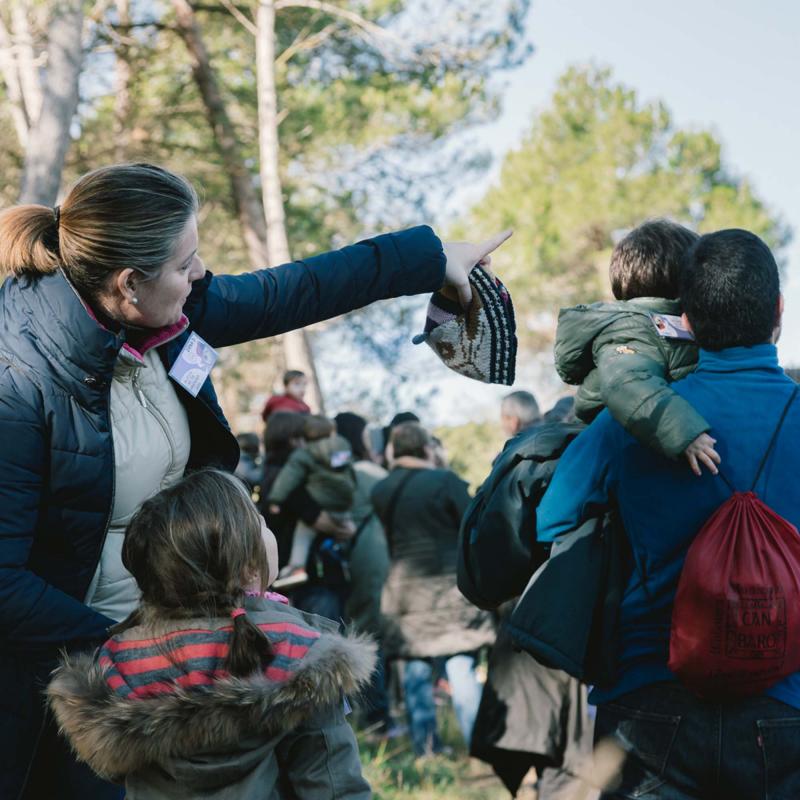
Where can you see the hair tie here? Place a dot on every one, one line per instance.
(57, 215)
(237, 612)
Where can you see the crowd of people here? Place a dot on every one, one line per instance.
(185, 615)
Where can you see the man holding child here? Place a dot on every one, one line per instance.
(680, 746)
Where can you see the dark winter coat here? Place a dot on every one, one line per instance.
(369, 557)
(425, 614)
(275, 735)
(615, 352)
(56, 456)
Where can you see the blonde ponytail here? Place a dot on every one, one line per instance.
(125, 214)
(28, 240)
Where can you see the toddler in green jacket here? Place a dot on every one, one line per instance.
(624, 354)
(324, 466)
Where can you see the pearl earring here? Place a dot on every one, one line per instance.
(135, 301)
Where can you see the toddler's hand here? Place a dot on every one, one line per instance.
(701, 450)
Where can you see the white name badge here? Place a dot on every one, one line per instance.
(671, 326)
(193, 364)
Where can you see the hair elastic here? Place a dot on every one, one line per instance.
(237, 612)
(57, 215)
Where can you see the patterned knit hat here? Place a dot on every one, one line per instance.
(480, 343)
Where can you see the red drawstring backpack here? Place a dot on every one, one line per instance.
(736, 618)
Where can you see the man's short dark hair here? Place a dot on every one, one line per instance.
(648, 261)
(730, 288)
(292, 375)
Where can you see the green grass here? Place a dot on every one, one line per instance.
(394, 772)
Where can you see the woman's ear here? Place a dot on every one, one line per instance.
(124, 285)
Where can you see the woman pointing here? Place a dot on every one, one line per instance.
(108, 321)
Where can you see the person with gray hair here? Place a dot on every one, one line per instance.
(518, 411)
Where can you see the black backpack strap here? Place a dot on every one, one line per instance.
(769, 449)
(774, 438)
(392, 505)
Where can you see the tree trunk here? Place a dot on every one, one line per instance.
(122, 85)
(10, 71)
(296, 348)
(49, 136)
(245, 197)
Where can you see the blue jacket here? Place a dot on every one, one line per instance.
(741, 392)
(56, 456)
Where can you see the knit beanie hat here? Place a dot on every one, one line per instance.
(480, 342)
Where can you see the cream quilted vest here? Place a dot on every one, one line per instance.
(151, 449)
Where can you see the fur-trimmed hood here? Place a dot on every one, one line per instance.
(117, 736)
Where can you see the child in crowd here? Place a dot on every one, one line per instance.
(249, 469)
(213, 687)
(294, 389)
(325, 467)
(626, 353)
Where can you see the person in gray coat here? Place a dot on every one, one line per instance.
(427, 618)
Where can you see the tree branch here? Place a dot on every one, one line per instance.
(309, 43)
(370, 29)
(8, 69)
(243, 19)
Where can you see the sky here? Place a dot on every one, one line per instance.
(731, 67)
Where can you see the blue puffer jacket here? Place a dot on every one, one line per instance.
(56, 448)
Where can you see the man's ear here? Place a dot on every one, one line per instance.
(778, 325)
(686, 323)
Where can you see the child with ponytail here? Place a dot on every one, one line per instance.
(214, 687)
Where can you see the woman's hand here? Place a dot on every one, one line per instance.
(462, 257)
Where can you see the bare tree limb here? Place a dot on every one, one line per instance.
(240, 16)
(374, 31)
(296, 349)
(122, 91)
(309, 43)
(243, 193)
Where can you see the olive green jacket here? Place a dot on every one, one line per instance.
(325, 468)
(614, 351)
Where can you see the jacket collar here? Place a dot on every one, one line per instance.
(117, 736)
(69, 331)
(411, 462)
(658, 304)
(736, 359)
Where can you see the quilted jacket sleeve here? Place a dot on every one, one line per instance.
(577, 329)
(636, 391)
(292, 476)
(31, 611)
(229, 309)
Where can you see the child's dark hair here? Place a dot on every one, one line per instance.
(249, 443)
(317, 427)
(292, 375)
(649, 260)
(192, 549)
